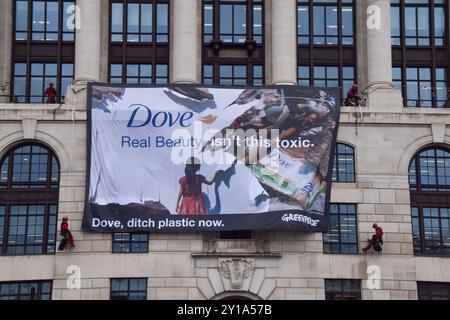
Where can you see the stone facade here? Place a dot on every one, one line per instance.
(272, 265)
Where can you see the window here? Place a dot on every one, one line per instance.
(130, 242)
(31, 88)
(145, 21)
(50, 20)
(420, 51)
(327, 76)
(433, 226)
(29, 188)
(129, 289)
(433, 290)
(430, 170)
(422, 88)
(344, 164)
(233, 75)
(326, 47)
(342, 289)
(236, 29)
(418, 23)
(139, 74)
(139, 42)
(342, 234)
(429, 179)
(26, 290)
(43, 50)
(208, 77)
(331, 22)
(238, 21)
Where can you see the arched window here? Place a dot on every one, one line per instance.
(344, 164)
(429, 180)
(29, 190)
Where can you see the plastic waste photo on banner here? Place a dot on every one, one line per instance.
(187, 158)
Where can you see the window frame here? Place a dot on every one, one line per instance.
(154, 33)
(130, 242)
(154, 78)
(339, 234)
(430, 56)
(29, 31)
(141, 53)
(424, 289)
(336, 163)
(30, 51)
(328, 55)
(329, 293)
(311, 79)
(39, 284)
(340, 6)
(431, 6)
(216, 17)
(423, 248)
(128, 288)
(429, 196)
(250, 53)
(434, 81)
(27, 195)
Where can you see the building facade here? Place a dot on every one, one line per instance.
(392, 162)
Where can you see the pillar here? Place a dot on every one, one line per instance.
(6, 37)
(381, 93)
(87, 50)
(184, 41)
(284, 42)
(379, 53)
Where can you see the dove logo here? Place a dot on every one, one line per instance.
(143, 116)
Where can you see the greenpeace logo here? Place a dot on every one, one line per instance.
(289, 217)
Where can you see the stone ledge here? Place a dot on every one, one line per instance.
(237, 246)
(233, 255)
(406, 116)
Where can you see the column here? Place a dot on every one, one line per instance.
(6, 37)
(284, 41)
(104, 60)
(87, 50)
(88, 40)
(185, 39)
(381, 93)
(379, 52)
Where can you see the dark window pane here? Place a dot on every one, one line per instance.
(342, 234)
(26, 290)
(342, 289)
(129, 289)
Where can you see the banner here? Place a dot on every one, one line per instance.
(195, 158)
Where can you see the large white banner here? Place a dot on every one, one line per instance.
(173, 158)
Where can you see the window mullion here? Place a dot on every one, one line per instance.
(249, 19)
(216, 20)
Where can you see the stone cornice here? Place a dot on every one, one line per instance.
(349, 115)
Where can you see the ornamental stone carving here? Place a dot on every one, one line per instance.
(236, 270)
